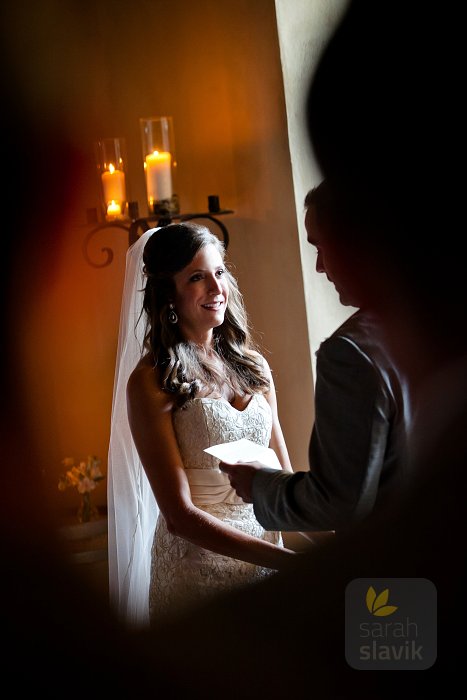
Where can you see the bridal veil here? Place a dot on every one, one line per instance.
(132, 508)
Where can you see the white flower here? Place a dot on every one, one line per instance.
(86, 484)
(83, 476)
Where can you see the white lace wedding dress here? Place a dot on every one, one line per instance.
(183, 573)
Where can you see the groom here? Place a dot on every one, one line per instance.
(357, 449)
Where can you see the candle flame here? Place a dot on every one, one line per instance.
(114, 208)
(111, 168)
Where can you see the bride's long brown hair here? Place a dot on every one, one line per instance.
(184, 369)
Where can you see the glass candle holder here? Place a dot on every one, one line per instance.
(157, 139)
(111, 167)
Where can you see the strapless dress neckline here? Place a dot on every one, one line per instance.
(253, 398)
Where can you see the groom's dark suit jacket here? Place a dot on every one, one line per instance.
(357, 447)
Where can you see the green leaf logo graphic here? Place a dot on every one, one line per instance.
(377, 604)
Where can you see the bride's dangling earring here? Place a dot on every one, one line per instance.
(172, 316)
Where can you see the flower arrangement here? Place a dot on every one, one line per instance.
(83, 476)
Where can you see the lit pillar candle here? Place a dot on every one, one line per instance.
(113, 185)
(158, 176)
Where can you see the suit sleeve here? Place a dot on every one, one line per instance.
(346, 452)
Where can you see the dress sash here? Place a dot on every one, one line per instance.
(210, 486)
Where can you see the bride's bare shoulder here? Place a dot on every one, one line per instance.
(144, 385)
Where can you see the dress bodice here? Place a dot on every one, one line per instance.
(204, 422)
(182, 572)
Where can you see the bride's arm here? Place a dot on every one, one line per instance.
(277, 441)
(150, 418)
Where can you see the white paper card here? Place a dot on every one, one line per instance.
(244, 451)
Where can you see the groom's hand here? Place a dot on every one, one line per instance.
(241, 475)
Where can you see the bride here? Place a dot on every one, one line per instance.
(188, 377)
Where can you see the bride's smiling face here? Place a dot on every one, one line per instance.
(201, 294)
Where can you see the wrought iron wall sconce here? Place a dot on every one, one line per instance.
(159, 163)
(136, 226)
